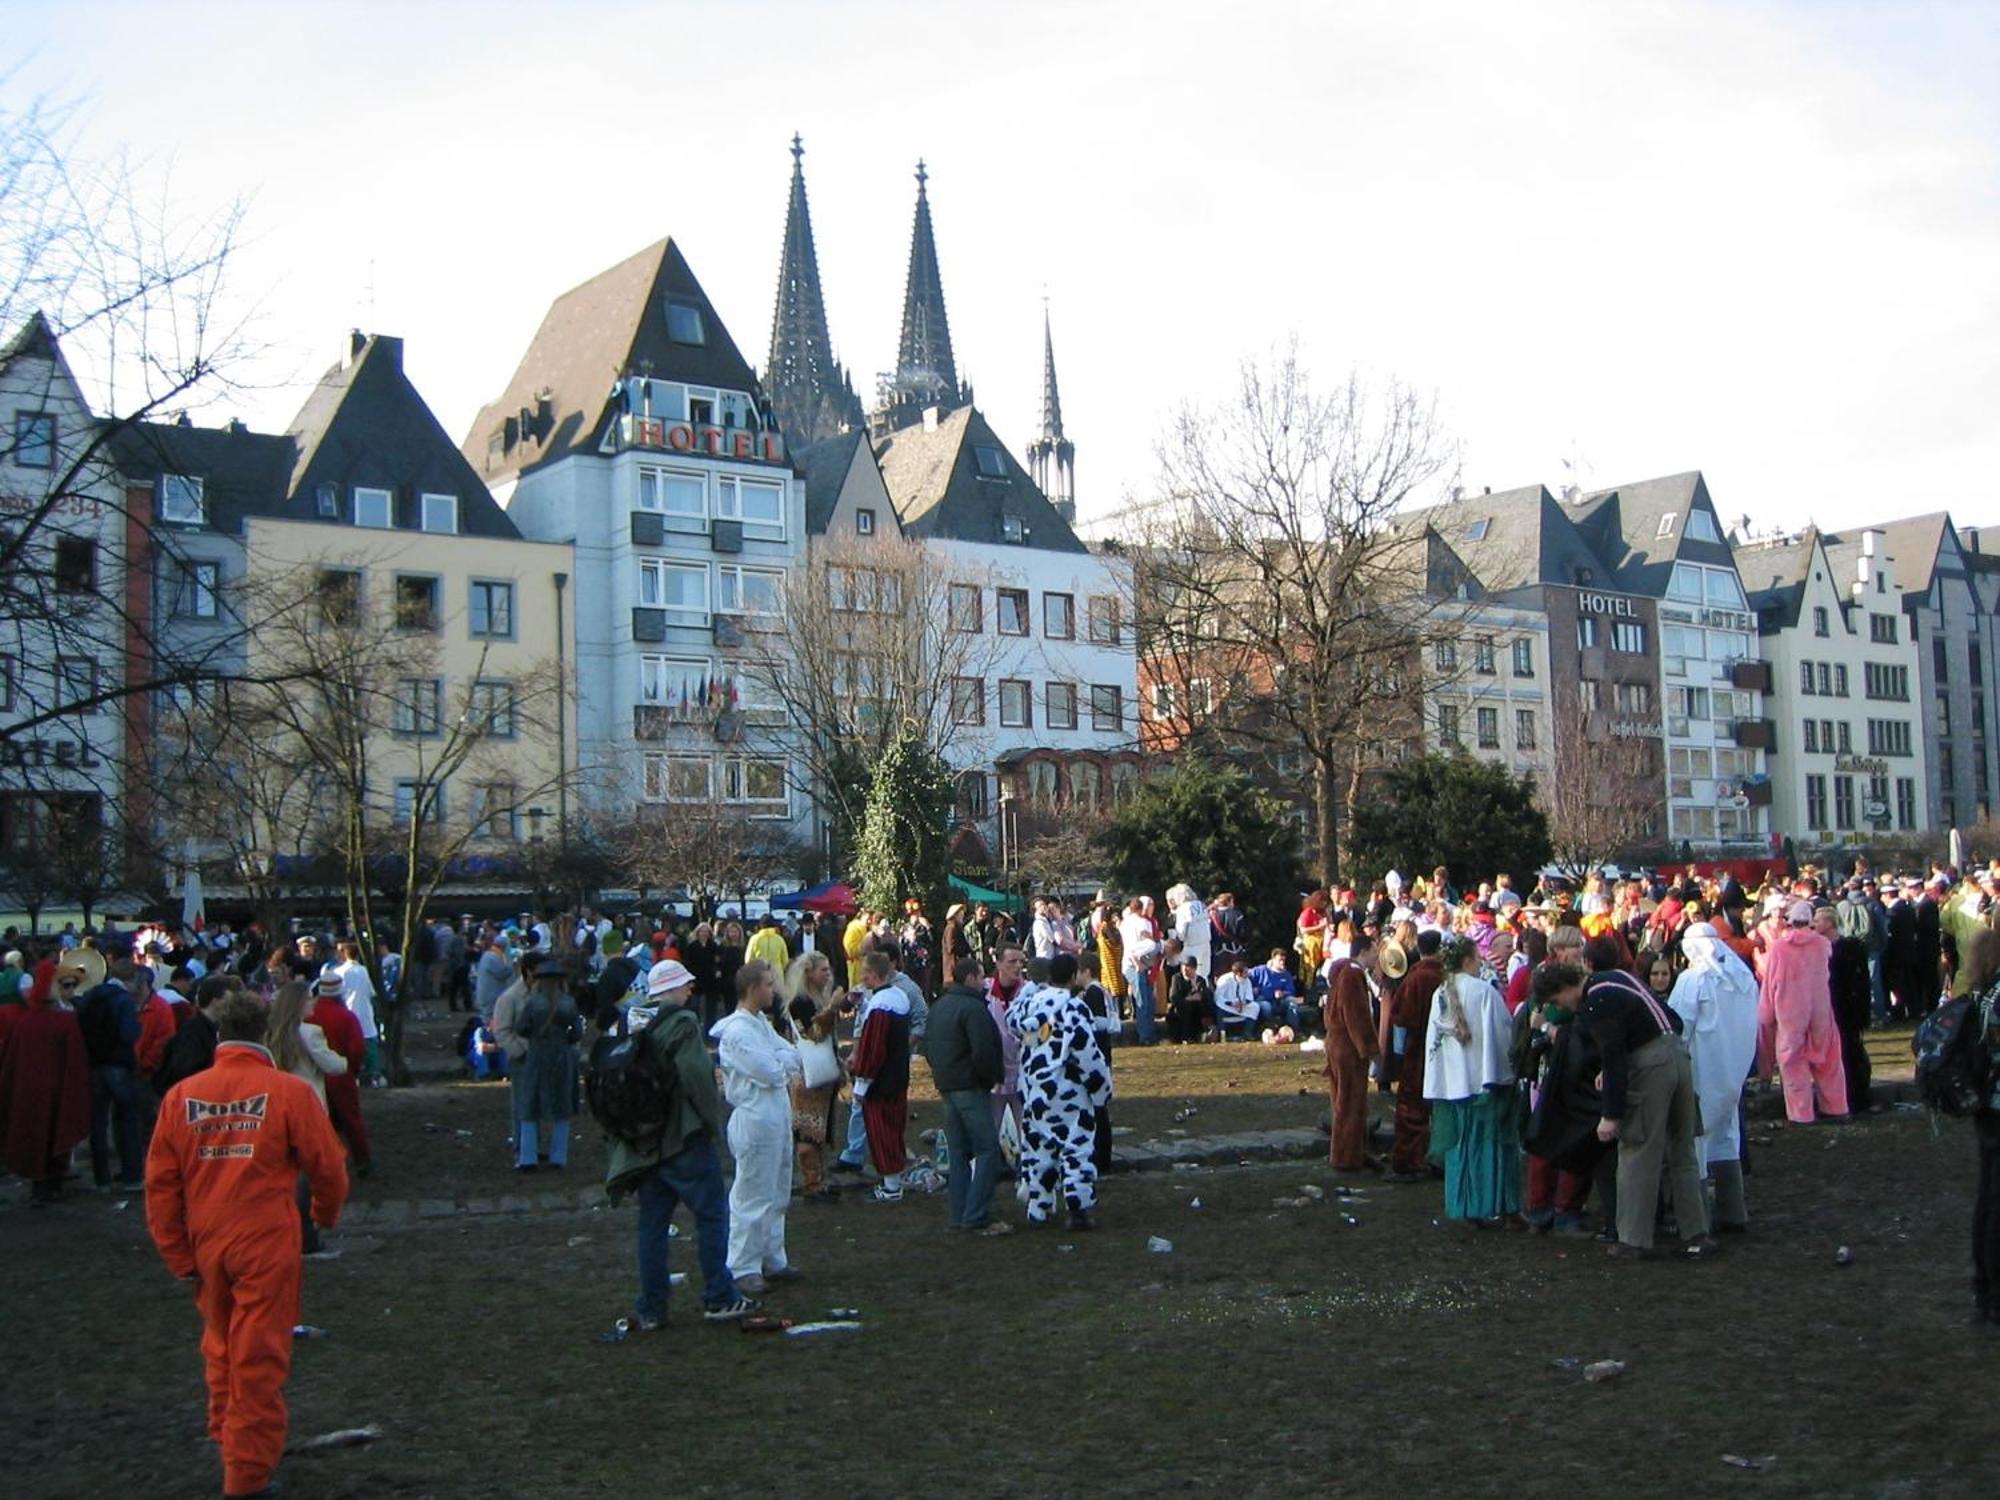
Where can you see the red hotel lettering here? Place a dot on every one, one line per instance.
(711, 438)
(743, 448)
(680, 437)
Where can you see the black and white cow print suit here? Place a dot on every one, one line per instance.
(1065, 1081)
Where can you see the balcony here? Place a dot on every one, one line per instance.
(1750, 675)
(1756, 734)
(1758, 793)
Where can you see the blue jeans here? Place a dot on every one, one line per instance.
(115, 1115)
(1878, 988)
(693, 1177)
(1143, 1022)
(855, 1152)
(976, 1162)
(528, 1135)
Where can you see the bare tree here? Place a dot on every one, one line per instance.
(1281, 605)
(1603, 799)
(708, 850)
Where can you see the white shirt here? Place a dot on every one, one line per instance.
(1235, 995)
(357, 993)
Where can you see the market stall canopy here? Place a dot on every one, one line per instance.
(836, 897)
(980, 893)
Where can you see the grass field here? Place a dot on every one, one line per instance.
(1273, 1352)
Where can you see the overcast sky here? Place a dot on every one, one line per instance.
(1756, 239)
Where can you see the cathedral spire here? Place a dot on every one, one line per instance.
(926, 374)
(1052, 457)
(808, 391)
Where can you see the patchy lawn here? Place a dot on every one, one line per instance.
(1273, 1352)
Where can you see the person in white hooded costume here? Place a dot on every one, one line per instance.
(1191, 926)
(1716, 999)
(758, 1066)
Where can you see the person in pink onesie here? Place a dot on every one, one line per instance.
(1798, 1004)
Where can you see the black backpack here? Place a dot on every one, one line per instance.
(97, 1017)
(630, 1095)
(1954, 1072)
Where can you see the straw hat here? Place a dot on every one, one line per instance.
(1395, 962)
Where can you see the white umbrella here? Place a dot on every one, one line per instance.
(192, 916)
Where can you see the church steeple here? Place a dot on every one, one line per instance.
(809, 392)
(926, 374)
(1052, 457)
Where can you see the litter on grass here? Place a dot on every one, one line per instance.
(1314, 1190)
(1603, 1370)
(307, 1331)
(837, 1325)
(1312, 1044)
(346, 1437)
(1159, 1246)
(1843, 1256)
(1740, 1461)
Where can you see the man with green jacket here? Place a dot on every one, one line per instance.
(963, 1046)
(683, 1167)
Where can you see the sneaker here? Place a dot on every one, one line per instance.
(1572, 1226)
(783, 1274)
(751, 1285)
(887, 1194)
(842, 1164)
(729, 1312)
(324, 1252)
(994, 1229)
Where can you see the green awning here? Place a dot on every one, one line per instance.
(980, 893)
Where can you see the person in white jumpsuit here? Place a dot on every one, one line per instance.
(1716, 999)
(758, 1066)
(1191, 926)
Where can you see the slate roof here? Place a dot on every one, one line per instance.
(1774, 579)
(363, 423)
(1528, 540)
(824, 468)
(613, 325)
(1622, 525)
(35, 338)
(935, 484)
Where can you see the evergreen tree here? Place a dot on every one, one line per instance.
(1475, 818)
(903, 849)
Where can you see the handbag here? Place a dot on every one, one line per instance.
(821, 1060)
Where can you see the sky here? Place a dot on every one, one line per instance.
(1617, 241)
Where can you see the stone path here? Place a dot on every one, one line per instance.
(1157, 1154)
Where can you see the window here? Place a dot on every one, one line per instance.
(972, 802)
(1882, 681)
(1482, 656)
(1701, 527)
(1806, 677)
(1014, 530)
(1816, 802)
(1524, 657)
(1810, 738)
(34, 440)
(1906, 802)
(339, 593)
(1103, 620)
(749, 591)
(1164, 706)
(76, 565)
(181, 500)
(1476, 532)
(1124, 781)
(758, 503)
(195, 587)
(1882, 629)
(1059, 699)
(1635, 697)
(1016, 708)
(1840, 679)
(681, 589)
(1107, 708)
(1444, 656)
(1488, 720)
(1667, 524)
(420, 706)
(1041, 783)
(1587, 695)
(439, 514)
(76, 683)
(674, 492)
(1888, 737)
(1943, 714)
(407, 793)
(1691, 702)
(1200, 698)
(1715, 587)
(864, 522)
(494, 813)
(964, 608)
(1524, 729)
(416, 602)
(1628, 636)
(684, 323)
(864, 591)
(1586, 632)
(680, 683)
(1447, 723)
(1820, 621)
(9, 682)
(755, 782)
(1843, 744)
(1059, 617)
(1728, 704)
(1085, 784)
(492, 609)
(968, 700)
(1011, 608)
(990, 463)
(374, 508)
(492, 705)
(1843, 802)
(679, 778)
(1824, 672)
(327, 501)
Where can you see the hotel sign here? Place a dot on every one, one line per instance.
(1635, 729)
(63, 755)
(700, 440)
(1867, 765)
(1607, 604)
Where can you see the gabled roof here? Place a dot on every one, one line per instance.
(613, 325)
(35, 340)
(824, 468)
(1514, 539)
(934, 481)
(1774, 578)
(363, 423)
(1622, 526)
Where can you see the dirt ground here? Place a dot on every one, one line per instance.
(1275, 1351)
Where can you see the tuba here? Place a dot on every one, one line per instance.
(86, 958)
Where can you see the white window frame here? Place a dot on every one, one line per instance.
(657, 774)
(653, 575)
(729, 493)
(864, 521)
(183, 500)
(730, 576)
(448, 502)
(736, 771)
(658, 669)
(656, 485)
(370, 497)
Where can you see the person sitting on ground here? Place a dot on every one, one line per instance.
(1237, 1010)
(1277, 990)
(1190, 1005)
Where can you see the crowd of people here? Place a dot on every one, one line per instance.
(1570, 1060)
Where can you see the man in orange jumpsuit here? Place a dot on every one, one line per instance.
(1350, 1047)
(220, 1181)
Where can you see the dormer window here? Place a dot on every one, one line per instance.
(1013, 529)
(1476, 532)
(1667, 524)
(329, 501)
(701, 413)
(441, 514)
(181, 501)
(1701, 527)
(374, 508)
(684, 323)
(990, 462)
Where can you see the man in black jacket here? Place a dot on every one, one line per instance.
(193, 1046)
(963, 1046)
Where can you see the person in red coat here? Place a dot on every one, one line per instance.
(343, 1090)
(44, 1084)
(1350, 1047)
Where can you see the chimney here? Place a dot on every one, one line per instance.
(236, 425)
(1458, 492)
(1972, 537)
(356, 342)
(1871, 542)
(1487, 490)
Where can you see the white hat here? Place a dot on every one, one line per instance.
(1800, 914)
(667, 975)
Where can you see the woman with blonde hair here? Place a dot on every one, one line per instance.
(300, 1048)
(811, 1011)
